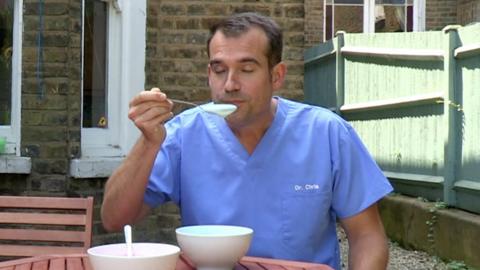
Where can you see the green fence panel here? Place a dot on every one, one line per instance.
(467, 57)
(405, 95)
(388, 79)
(320, 75)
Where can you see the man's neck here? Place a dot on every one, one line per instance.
(250, 134)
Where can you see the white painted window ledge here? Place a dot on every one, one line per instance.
(15, 165)
(97, 167)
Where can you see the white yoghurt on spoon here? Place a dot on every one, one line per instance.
(222, 110)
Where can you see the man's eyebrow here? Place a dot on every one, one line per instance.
(243, 61)
(250, 60)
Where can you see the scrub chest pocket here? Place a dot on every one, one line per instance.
(303, 216)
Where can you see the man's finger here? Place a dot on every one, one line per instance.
(146, 96)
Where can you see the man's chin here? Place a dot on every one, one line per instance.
(233, 119)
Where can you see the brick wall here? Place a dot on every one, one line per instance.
(177, 33)
(313, 22)
(468, 11)
(440, 13)
(50, 101)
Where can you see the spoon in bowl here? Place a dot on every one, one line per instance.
(127, 230)
(222, 110)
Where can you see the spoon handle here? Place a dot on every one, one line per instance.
(128, 239)
(184, 102)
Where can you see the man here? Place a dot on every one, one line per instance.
(285, 169)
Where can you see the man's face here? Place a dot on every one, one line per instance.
(238, 73)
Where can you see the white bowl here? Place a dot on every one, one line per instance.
(146, 256)
(214, 247)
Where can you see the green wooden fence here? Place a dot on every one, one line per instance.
(414, 98)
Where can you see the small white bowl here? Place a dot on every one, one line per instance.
(146, 256)
(214, 247)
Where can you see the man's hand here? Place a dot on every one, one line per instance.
(149, 110)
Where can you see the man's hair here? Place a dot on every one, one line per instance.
(238, 24)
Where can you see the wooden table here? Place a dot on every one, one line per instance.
(49, 262)
(81, 262)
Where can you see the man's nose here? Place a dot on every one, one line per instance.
(232, 83)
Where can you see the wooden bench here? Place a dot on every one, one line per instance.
(31, 226)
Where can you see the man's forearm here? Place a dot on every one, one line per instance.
(370, 253)
(368, 246)
(124, 190)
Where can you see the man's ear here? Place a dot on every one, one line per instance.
(278, 75)
(209, 70)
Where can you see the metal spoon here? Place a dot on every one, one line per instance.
(222, 110)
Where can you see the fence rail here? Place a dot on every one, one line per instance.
(413, 98)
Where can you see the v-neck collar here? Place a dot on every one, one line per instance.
(267, 141)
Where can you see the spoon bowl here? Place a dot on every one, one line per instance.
(220, 109)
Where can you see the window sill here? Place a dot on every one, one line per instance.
(15, 165)
(94, 167)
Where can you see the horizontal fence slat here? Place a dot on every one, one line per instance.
(415, 100)
(467, 195)
(42, 235)
(420, 178)
(466, 184)
(320, 57)
(467, 51)
(42, 218)
(391, 53)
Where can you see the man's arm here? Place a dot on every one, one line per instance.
(368, 247)
(124, 190)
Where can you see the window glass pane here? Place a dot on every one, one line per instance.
(6, 45)
(328, 23)
(393, 18)
(409, 18)
(350, 2)
(348, 19)
(94, 68)
(390, 2)
(345, 15)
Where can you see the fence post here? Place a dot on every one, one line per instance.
(340, 71)
(451, 117)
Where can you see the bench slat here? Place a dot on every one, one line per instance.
(32, 219)
(43, 202)
(42, 235)
(42, 218)
(25, 250)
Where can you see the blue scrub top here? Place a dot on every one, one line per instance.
(309, 168)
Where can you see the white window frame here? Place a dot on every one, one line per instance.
(369, 16)
(102, 149)
(12, 132)
(10, 160)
